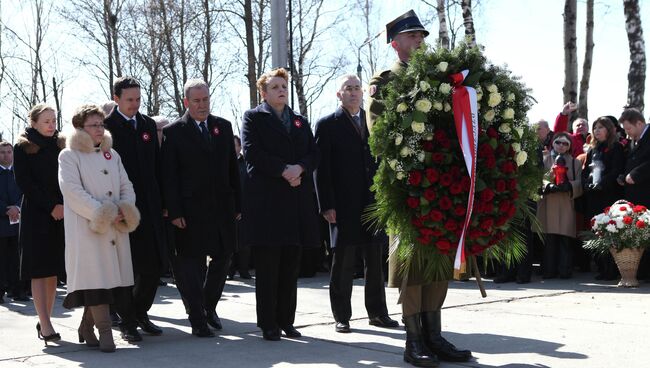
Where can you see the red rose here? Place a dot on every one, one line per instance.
(437, 157)
(459, 211)
(501, 221)
(501, 186)
(485, 150)
(435, 215)
(430, 194)
(514, 194)
(455, 188)
(465, 183)
(474, 234)
(415, 178)
(413, 202)
(612, 222)
(476, 249)
(427, 146)
(439, 135)
(492, 133)
(445, 203)
(486, 195)
(424, 240)
(417, 221)
(451, 225)
(640, 224)
(432, 175)
(455, 172)
(490, 162)
(622, 208)
(445, 143)
(446, 179)
(486, 223)
(508, 167)
(443, 244)
(639, 209)
(504, 206)
(606, 209)
(512, 184)
(512, 211)
(489, 207)
(425, 231)
(436, 232)
(627, 220)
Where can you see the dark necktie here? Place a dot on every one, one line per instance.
(133, 123)
(204, 131)
(357, 124)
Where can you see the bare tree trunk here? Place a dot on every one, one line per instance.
(570, 53)
(208, 40)
(468, 21)
(57, 102)
(637, 71)
(171, 63)
(372, 61)
(251, 76)
(443, 34)
(583, 108)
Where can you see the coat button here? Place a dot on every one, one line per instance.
(105, 172)
(109, 193)
(112, 242)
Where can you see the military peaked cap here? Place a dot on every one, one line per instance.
(407, 22)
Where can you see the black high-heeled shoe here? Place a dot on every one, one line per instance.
(49, 338)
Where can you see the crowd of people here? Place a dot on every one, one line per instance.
(109, 208)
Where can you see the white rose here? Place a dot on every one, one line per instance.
(492, 88)
(611, 228)
(398, 139)
(520, 131)
(424, 86)
(516, 147)
(504, 128)
(445, 88)
(437, 105)
(479, 93)
(405, 151)
(508, 114)
(428, 137)
(417, 127)
(495, 99)
(511, 97)
(443, 66)
(447, 107)
(489, 116)
(521, 158)
(392, 164)
(423, 105)
(401, 107)
(421, 156)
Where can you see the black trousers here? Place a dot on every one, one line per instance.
(341, 278)
(10, 266)
(276, 283)
(190, 274)
(134, 302)
(215, 279)
(558, 256)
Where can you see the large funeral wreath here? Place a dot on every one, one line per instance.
(422, 184)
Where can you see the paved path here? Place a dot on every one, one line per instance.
(555, 323)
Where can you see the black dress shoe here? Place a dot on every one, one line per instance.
(147, 326)
(343, 327)
(213, 320)
(2, 300)
(383, 321)
(230, 276)
(245, 275)
(272, 334)
(130, 334)
(291, 331)
(202, 331)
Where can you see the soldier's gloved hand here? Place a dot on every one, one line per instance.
(595, 187)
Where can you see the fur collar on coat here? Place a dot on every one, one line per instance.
(31, 141)
(81, 141)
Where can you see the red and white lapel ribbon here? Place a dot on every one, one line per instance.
(465, 110)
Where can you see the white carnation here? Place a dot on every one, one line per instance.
(611, 228)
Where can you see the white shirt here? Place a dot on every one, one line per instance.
(128, 118)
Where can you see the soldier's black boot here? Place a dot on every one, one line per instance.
(437, 344)
(416, 353)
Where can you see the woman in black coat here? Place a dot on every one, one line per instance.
(605, 162)
(280, 214)
(41, 236)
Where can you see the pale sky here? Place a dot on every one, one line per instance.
(524, 34)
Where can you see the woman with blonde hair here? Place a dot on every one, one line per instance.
(40, 235)
(100, 212)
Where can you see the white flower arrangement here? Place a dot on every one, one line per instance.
(494, 99)
(622, 225)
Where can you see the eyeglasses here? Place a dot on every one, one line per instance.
(94, 126)
(564, 143)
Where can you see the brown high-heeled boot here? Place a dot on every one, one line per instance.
(86, 332)
(102, 319)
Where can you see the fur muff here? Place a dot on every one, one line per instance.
(131, 217)
(81, 141)
(31, 148)
(103, 217)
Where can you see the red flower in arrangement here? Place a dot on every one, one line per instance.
(451, 225)
(622, 208)
(439, 135)
(445, 203)
(455, 188)
(415, 178)
(490, 162)
(485, 150)
(455, 172)
(446, 179)
(437, 157)
(436, 232)
(443, 244)
(445, 143)
(501, 186)
(436, 216)
(512, 184)
(504, 206)
(424, 240)
(639, 209)
(508, 167)
(460, 211)
(606, 209)
(501, 221)
(417, 221)
(413, 202)
(514, 194)
(486, 195)
(429, 194)
(639, 224)
(427, 146)
(486, 223)
(476, 249)
(432, 175)
(627, 220)
(465, 183)
(492, 133)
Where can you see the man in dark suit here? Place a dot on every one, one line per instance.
(202, 197)
(343, 182)
(637, 169)
(135, 139)
(10, 196)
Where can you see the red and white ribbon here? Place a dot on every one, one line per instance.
(465, 110)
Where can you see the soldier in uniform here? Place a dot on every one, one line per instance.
(421, 300)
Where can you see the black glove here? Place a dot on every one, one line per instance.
(564, 187)
(621, 180)
(550, 188)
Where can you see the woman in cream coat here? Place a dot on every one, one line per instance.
(99, 208)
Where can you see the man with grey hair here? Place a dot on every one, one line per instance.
(343, 181)
(202, 197)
